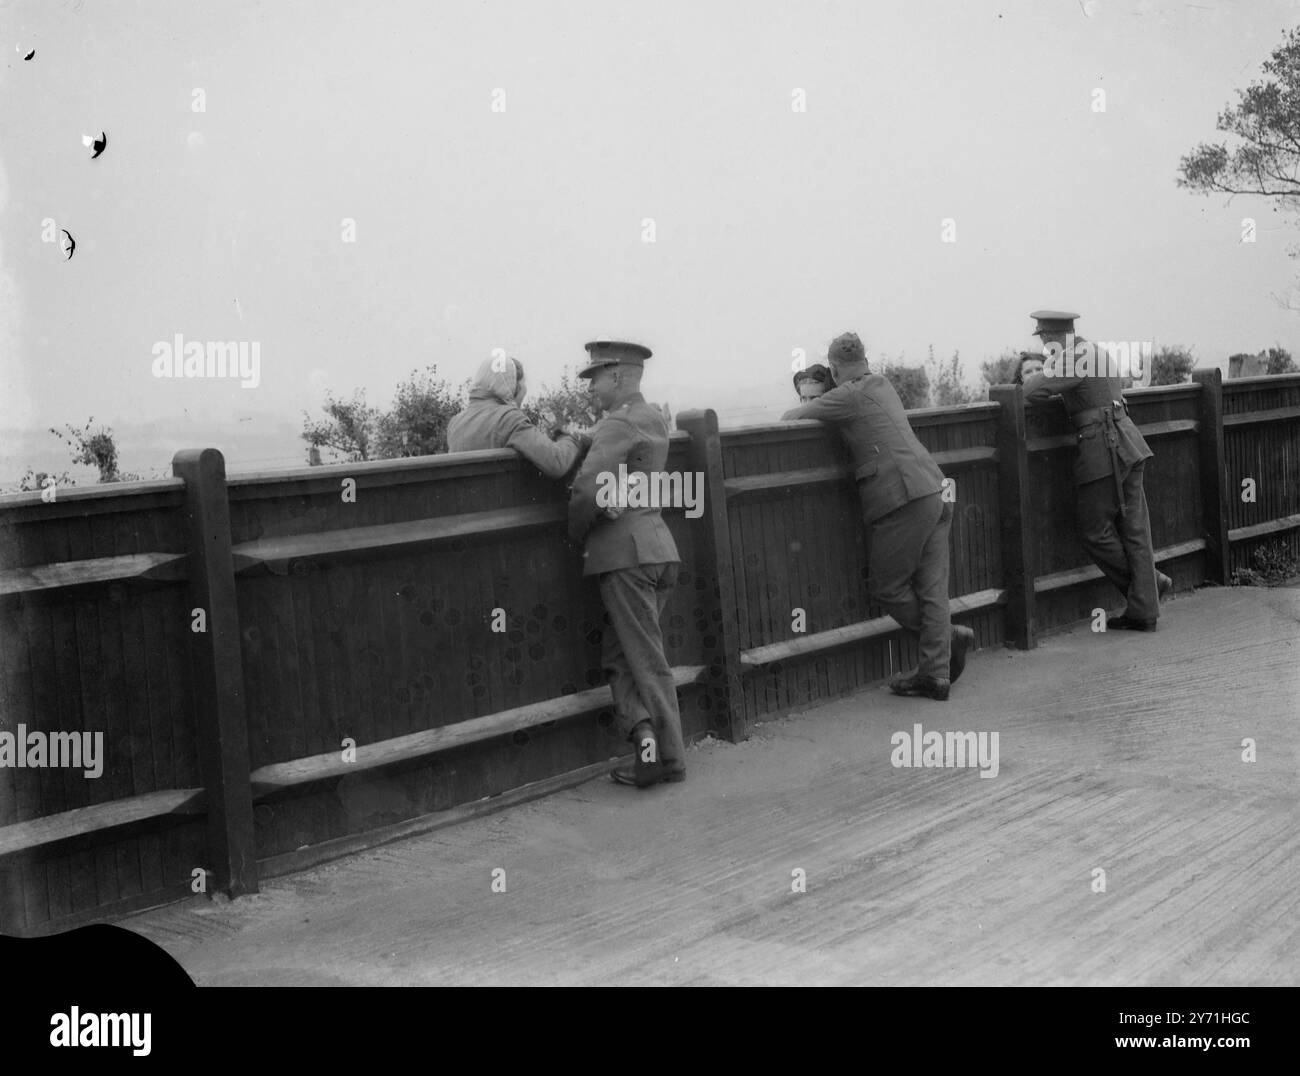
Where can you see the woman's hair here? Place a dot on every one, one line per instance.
(815, 372)
(1025, 356)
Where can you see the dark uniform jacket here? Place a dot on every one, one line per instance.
(1087, 393)
(635, 435)
(891, 466)
(489, 423)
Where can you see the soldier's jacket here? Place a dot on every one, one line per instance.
(892, 467)
(1082, 393)
(636, 435)
(489, 423)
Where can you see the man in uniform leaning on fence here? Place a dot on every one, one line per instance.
(634, 556)
(1111, 516)
(907, 518)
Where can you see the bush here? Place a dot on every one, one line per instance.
(1271, 565)
(1172, 365)
(910, 382)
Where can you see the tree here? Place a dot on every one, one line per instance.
(416, 424)
(350, 432)
(1279, 361)
(570, 404)
(910, 382)
(1000, 371)
(1266, 119)
(1172, 365)
(947, 382)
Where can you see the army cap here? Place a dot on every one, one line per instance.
(1053, 321)
(613, 353)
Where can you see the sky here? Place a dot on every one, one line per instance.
(503, 165)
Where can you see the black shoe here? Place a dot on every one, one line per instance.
(962, 637)
(673, 774)
(921, 685)
(639, 772)
(1163, 585)
(1129, 624)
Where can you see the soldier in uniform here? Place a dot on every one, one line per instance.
(906, 517)
(1114, 527)
(634, 557)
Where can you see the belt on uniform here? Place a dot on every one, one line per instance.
(1093, 415)
(1106, 416)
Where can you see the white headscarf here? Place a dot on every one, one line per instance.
(496, 380)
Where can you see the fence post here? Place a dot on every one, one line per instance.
(1018, 569)
(1214, 489)
(713, 559)
(218, 669)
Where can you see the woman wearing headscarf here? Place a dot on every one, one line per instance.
(493, 419)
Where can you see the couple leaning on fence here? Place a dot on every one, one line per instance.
(901, 492)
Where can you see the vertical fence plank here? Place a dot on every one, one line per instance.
(713, 559)
(1214, 490)
(1018, 568)
(218, 672)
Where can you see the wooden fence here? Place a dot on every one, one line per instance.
(290, 665)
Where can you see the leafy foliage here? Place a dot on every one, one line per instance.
(1000, 371)
(1172, 365)
(350, 431)
(910, 382)
(1271, 564)
(569, 404)
(1267, 120)
(416, 424)
(948, 383)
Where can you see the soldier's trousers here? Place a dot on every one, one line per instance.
(640, 678)
(908, 575)
(1121, 546)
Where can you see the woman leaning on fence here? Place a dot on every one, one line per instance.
(493, 419)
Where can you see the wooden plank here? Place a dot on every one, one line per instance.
(282, 775)
(24, 836)
(1147, 429)
(955, 459)
(1074, 576)
(302, 858)
(1049, 444)
(741, 489)
(756, 485)
(115, 711)
(1252, 418)
(94, 571)
(1013, 497)
(1168, 429)
(218, 672)
(82, 501)
(1256, 530)
(373, 475)
(1212, 471)
(759, 656)
(279, 555)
